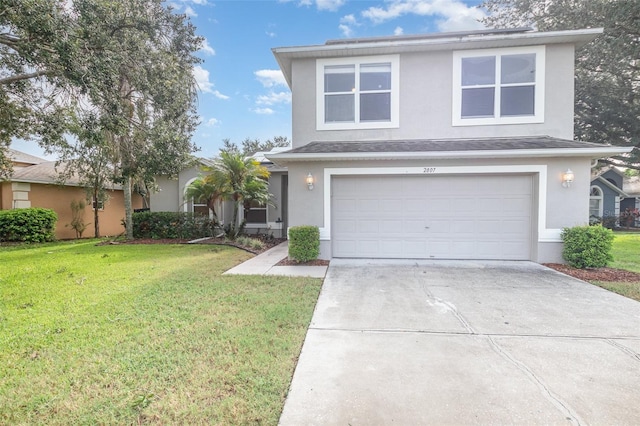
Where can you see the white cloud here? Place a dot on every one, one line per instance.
(190, 12)
(398, 31)
(264, 111)
(206, 48)
(346, 30)
(270, 34)
(348, 19)
(454, 14)
(213, 122)
(330, 5)
(219, 95)
(202, 79)
(270, 78)
(273, 98)
(201, 76)
(200, 2)
(346, 24)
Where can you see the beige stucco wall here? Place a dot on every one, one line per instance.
(58, 198)
(426, 94)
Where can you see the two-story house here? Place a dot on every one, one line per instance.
(442, 146)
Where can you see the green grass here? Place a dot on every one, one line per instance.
(626, 251)
(626, 255)
(123, 334)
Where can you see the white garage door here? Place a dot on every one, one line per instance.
(432, 217)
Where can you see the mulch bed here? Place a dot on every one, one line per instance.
(596, 274)
(317, 262)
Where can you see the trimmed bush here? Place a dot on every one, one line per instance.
(587, 246)
(172, 225)
(304, 243)
(34, 225)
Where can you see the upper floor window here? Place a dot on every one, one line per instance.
(357, 93)
(498, 86)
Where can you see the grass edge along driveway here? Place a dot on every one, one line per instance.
(626, 255)
(145, 334)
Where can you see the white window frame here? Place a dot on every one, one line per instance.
(600, 199)
(538, 115)
(394, 122)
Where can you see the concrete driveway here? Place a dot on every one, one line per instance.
(453, 342)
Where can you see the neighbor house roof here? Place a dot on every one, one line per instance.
(45, 172)
(48, 173)
(484, 39)
(539, 146)
(22, 157)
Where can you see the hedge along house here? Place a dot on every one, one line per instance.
(260, 219)
(34, 184)
(440, 146)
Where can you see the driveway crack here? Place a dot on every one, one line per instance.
(627, 351)
(560, 404)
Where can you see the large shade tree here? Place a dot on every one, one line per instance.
(122, 70)
(607, 99)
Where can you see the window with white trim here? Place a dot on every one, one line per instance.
(357, 93)
(595, 202)
(498, 86)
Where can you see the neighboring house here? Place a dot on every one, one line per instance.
(270, 219)
(443, 146)
(611, 193)
(34, 184)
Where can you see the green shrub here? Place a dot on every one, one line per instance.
(250, 242)
(587, 246)
(34, 225)
(172, 225)
(304, 243)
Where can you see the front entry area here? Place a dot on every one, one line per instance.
(432, 217)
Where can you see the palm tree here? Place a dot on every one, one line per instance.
(208, 190)
(245, 179)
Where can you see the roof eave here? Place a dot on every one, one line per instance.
(285, 55)
(591, 153)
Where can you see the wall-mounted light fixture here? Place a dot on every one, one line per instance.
(567, 178)
(310, 181)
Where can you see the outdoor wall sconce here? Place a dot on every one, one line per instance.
(310, 181)
(567, 178)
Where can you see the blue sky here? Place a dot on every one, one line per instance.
(242, 92)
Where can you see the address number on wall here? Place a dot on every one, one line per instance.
(428, 170)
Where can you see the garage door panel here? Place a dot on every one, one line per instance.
(465, 217)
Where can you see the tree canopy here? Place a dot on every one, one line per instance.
(250, 146)
(607, 98)
(101, 78)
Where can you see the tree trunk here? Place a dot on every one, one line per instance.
(96, 218)
(128, 210)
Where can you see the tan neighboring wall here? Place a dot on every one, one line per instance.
(58, 198)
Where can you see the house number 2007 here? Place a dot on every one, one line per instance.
(429, 170)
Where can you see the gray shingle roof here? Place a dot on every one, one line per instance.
(442, 145)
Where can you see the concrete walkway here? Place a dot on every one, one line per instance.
(265, 264)
(458, 343)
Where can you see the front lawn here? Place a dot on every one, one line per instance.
(626, 255)
(123, 334)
